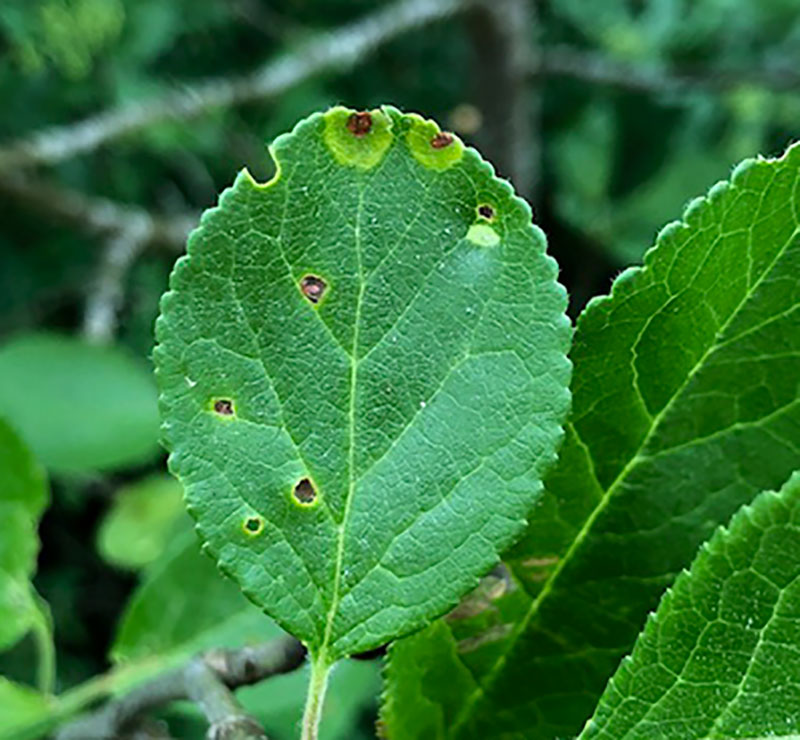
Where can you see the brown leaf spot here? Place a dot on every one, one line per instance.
(313, 288)
(304, 492)
(224, 406)
(493, 634)
(486, 211)
(359, 124)
(441, 140)
(540, 562)
(481, 599)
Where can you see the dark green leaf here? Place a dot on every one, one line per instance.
(718, 659)
(685, 406)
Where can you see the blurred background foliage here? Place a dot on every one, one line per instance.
(631, 107)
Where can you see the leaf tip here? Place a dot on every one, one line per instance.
(430, 146)
(357, 138)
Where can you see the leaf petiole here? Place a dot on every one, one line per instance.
(318, 683)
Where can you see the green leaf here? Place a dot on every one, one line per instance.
(23, 481)
(141, 520)
(20, 708)
(685, 406)
(363, 376)
(183, 606)
(23, 497)
(80, 407)
(719, 657)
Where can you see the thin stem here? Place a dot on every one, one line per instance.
(42, 630)
(318, 684)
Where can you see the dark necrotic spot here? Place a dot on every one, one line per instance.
(304, 492)
(253, 525)
(441, 140)
(486, 211)
(313, 288)
(223, 406)
(359, 124)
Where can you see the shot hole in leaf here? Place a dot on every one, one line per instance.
(253, 525)
(486, 211)
(313, 288)
(359, 124)
(223, 407)
(304, 492)
(441, 140)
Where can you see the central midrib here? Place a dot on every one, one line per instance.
(480, 689)
(351, 455)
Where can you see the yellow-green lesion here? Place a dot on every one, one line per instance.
(357, 139)
(430, 146)
(483, 235)
(253, 525)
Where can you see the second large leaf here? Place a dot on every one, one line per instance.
(363, 374)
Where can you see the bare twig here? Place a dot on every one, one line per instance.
(105, 294)
(268, 21)
(206, 679)
(227, 720)
(95, 215)
(502, 33)
(341, 49)
(599, 69)
(127, 231)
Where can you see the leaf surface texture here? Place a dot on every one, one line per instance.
(363, 376)
(718, 659)
(685, 407)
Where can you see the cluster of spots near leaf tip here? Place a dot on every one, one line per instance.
(304, 492)
(313, 288)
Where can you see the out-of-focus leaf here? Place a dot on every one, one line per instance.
(80, 407)
(23, 496)
(139, 523)
(184, 605)
(718, 660)
(20, 709)
(623, 227)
